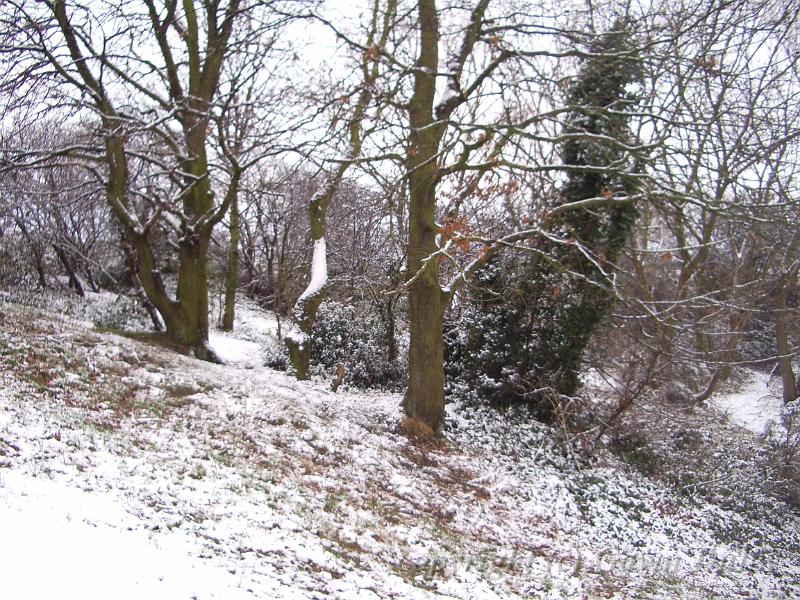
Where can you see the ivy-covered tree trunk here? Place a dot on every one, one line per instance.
(527, 335)
(596, 132)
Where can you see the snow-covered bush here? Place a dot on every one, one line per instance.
(506, 344)
(758, 342)
(275, 354)
(123, 312)
(783, 465)
(701, 454)
(105, 310)
(355, 337)
(352, 336)
(14, 270)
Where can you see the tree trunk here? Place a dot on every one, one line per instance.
(186, 318)
(40, 272)
(298, 339)
(74, 281)
(191, 326)
(38, 253)
(304, 314)
(727, 354)
(232, 277)
(782, 339)
(191, 90)
(387, 311)
(92, 280)
(424, 397)
(133, 273)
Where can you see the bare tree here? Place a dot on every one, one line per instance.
(298, 339)
(60, 210)
(712, 245)
(149, 77)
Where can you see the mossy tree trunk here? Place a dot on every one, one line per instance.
(232, 274)
(304, 315)
(786, 285)
(424, 397)
(427, 124)
(133, 273)
(191, 89)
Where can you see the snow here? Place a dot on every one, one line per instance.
(298, 337)
(63, 542)
(756, 405)
(633, 88)
(450, 92)
(130, 471)
(234, 351)
(242, 348)
(319, 270)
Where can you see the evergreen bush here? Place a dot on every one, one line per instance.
(350, 335)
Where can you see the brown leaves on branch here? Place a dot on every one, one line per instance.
(455, 229)
(707, 63)
(504, 189)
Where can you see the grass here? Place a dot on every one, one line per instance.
(327, 486)
(153, 338)
(180, 390)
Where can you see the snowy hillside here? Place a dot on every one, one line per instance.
(130, 471)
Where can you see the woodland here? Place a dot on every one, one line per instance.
(482, 199)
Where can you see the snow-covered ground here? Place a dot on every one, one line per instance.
(756, 405)
(127, 471)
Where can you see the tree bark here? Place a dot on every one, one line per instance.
(304, 314)
(74, 281)
(38, 253)
(136, 282)
(785, 287)
(232, 276)
(424, 397)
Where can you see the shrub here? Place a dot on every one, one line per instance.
(275, 355)
(355, 337)
(504, 346)
(758, 343)
(123, 313)
(783, 459)
(352, 336)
